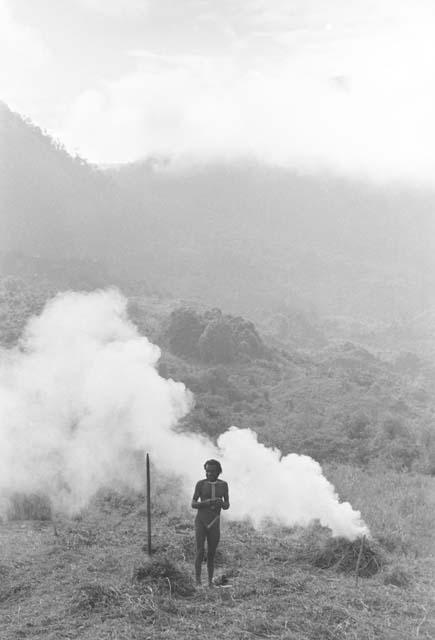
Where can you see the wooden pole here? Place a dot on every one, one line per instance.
(148, 503)
(358, 562)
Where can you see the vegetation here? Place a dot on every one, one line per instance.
(28, 507)
(212, 337)
(263, 242)
(19, 300)
(338, 365)
(338, 402)
(94, 581)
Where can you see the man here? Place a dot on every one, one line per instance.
(210, 496)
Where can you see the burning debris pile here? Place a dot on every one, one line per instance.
(165, 576)
(360, 557)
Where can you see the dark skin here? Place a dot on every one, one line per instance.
(207, 528)
(212, 474)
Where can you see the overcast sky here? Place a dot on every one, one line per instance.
(347, 85)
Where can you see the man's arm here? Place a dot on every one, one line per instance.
(221, 502)
(196, 503)
(226, 499)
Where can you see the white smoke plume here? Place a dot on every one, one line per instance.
(81, 392)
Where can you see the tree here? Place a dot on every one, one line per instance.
(184, 330)
(216, 344)
(246, 338)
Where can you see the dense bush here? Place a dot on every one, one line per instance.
(213, 337)
(183, 332)
(216, 344)
(210, 416)
(315, 403)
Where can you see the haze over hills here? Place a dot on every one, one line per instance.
(246, 237)
(238, 265)
(314, 242)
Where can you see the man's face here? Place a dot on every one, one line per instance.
(211, 472)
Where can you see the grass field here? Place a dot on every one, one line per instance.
(94, 581)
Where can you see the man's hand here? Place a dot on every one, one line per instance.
(216, 502)
(212, 503)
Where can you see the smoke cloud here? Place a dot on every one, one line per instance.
(81, 392)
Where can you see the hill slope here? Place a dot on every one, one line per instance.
(56, 211)
(242, 236)
(92, 580)
(249, 237)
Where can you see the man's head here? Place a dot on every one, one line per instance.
(212, 470)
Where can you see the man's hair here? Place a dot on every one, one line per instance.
(216, 463)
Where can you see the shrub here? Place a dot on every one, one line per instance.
(33, 506)
(214, 337)
(210, 416)
(216, 344)
(183, 332)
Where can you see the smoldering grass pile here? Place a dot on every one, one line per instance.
(165, 576)
(361, 556)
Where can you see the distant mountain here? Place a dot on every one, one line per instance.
(248, 238)
(254, 238)
(55, 209)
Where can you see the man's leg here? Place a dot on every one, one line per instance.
(200, 534)
(213, 536)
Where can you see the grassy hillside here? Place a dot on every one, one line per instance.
(339, 366)
(334, 400)
(93, 580)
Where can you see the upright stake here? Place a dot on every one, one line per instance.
(358, 562)
(148, 504)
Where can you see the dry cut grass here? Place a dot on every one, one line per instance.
(93, 581)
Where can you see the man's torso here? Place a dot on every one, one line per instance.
(206, 490)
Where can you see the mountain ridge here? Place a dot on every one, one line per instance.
(246, 237)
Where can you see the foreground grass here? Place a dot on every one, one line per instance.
(83, 583)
